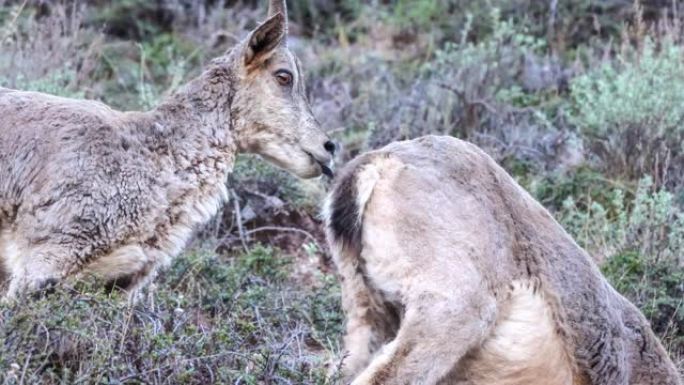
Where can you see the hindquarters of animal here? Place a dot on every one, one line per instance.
(523, 346)
(452, 274)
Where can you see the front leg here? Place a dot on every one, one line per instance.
(35, 268)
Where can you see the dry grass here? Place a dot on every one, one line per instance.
(209, 320)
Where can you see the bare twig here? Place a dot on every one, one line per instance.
(126, 324)
(23, 371)
(12, 23)
(461, 95)
(286, 229)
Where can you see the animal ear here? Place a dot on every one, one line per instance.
(278, 6)
(265, 38)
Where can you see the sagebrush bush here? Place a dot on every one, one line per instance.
(566, 23)
(493, 92)
(455, 92)
(632, 109)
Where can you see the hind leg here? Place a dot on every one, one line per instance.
(370, 324)
(40, 250)
(33, 263)
(70, 238)
(436, 333)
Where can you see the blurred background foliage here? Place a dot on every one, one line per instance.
(582, 101)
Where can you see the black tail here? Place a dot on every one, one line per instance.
(344, 218)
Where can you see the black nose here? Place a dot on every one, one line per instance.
(330, 146)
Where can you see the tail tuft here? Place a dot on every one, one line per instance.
(344, 219)
(343, 208)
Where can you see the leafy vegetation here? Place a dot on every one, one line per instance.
(580, 100)
(632, 109)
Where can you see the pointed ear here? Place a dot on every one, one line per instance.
(265, 38)
(278, 6)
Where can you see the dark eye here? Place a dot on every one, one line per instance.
(284, 77)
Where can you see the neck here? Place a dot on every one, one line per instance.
(194, 124)
(205, 102)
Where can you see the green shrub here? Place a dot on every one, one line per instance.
(567, 23)
(584, 184)
(421, 13)
(456, 92)
(632, 109)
